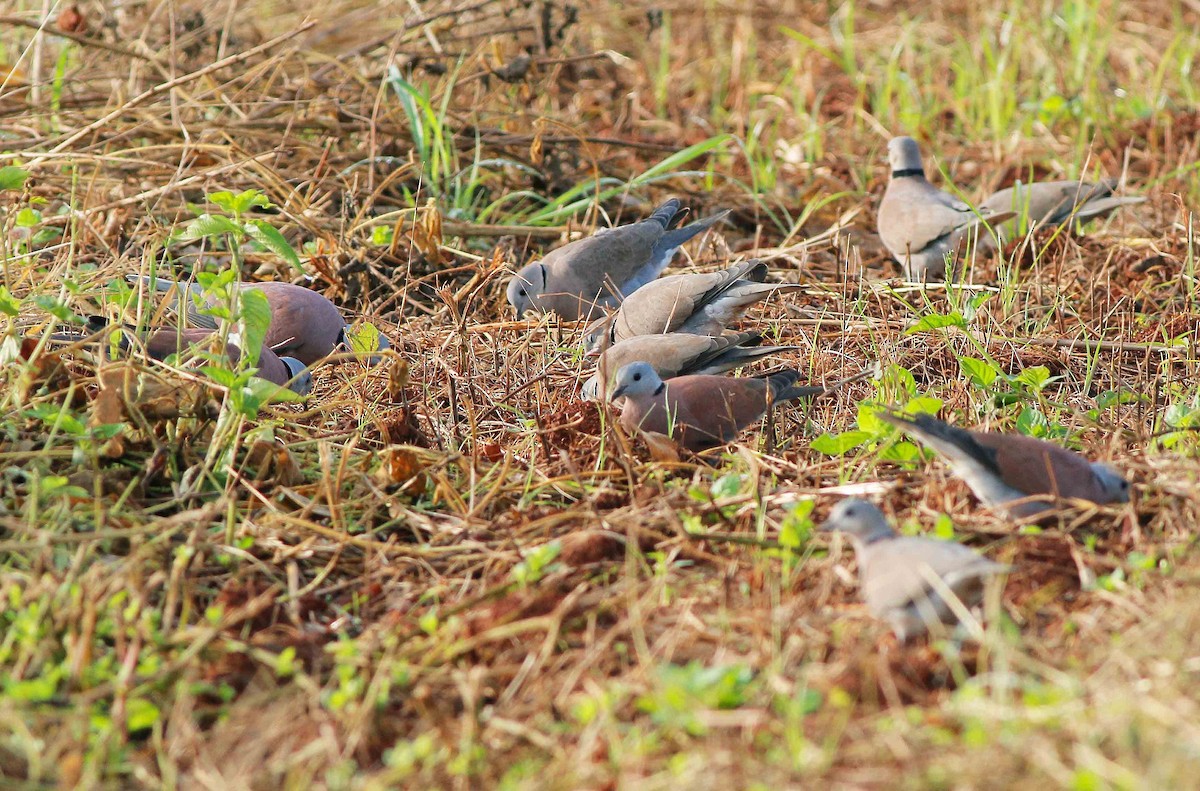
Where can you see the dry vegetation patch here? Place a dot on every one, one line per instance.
(448, 570)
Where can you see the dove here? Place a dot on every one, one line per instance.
(699, 304)
(703, 411)
(162, 342)
(898, 574)
(598, 272)
(920, 224)
(679, 354)
(1013, 472)
(1055, 202)
(304, 324)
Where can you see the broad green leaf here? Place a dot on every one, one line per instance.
(265, 391)
(840, 444)
(56, 308)
(1032, 422)
(903, 452)
(140, 714)
(8, 303)
(1036, 377)
(868, 420)
(895, 382)
(28, 218)
(13, 177)
(727, 486)
(924, 405)
(937, 321)
(943, 527)
(207, 226)
(240, 203)
(255, 321)
(980, 372)
(364, 339)
(222, 376)
(269, 237)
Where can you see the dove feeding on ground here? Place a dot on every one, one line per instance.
(699, 304)
(304, 324)
(918, 223)
(704, 411)
(1042, 203)
(598, 272)
(160, 343)
(1012, 472)
(679, 354)
(904, 578)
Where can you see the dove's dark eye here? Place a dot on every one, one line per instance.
(637, 377)
(521, 292)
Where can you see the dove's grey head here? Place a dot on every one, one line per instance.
(636, 379)
(905, 157)
(860, 520)
(1111, 482)
(301, 380)
(526, 286)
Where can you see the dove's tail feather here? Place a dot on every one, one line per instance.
(666, 212)
(672, 240)
(1099, 207)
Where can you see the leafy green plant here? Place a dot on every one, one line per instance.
(682, 692)
(233, 227)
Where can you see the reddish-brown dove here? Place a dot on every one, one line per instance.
(591, 274)
(162, 342)
(919, 224)
(679, 354)
(899, 574)
(304, 324)
(702, 411)
(699, 304)
(1012, 472)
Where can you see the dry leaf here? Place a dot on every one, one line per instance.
(70, 20)
(402, 467)
(397, 380)
(661, 447)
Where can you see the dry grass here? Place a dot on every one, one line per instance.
(364, 590)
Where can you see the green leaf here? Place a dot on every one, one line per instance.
(1032, 422)
(241, 203)
(254, 322)
(943, 528)
(140, 714)
(1036, 377)
(840, 444)
(13, 177)
(264, 391)
(28, 218)
(8, 303)
(797, 525)
(903, 452)
(221, 375)
(895, 383)
(937, 321)
(924, 405)
(364, 339)
(56, 308)
(869, 421)
(727, 486)
(269, 237)
(207, 226)
(980, 372)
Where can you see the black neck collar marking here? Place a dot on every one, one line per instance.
(899, 174)
(660, 388)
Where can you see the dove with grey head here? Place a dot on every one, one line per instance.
(903, 578)
(919, 224)
(583, 277)
(698, 304)
(304, 324)
(679, 354)
(703, 411)
(159, 343)
(1017, 474)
